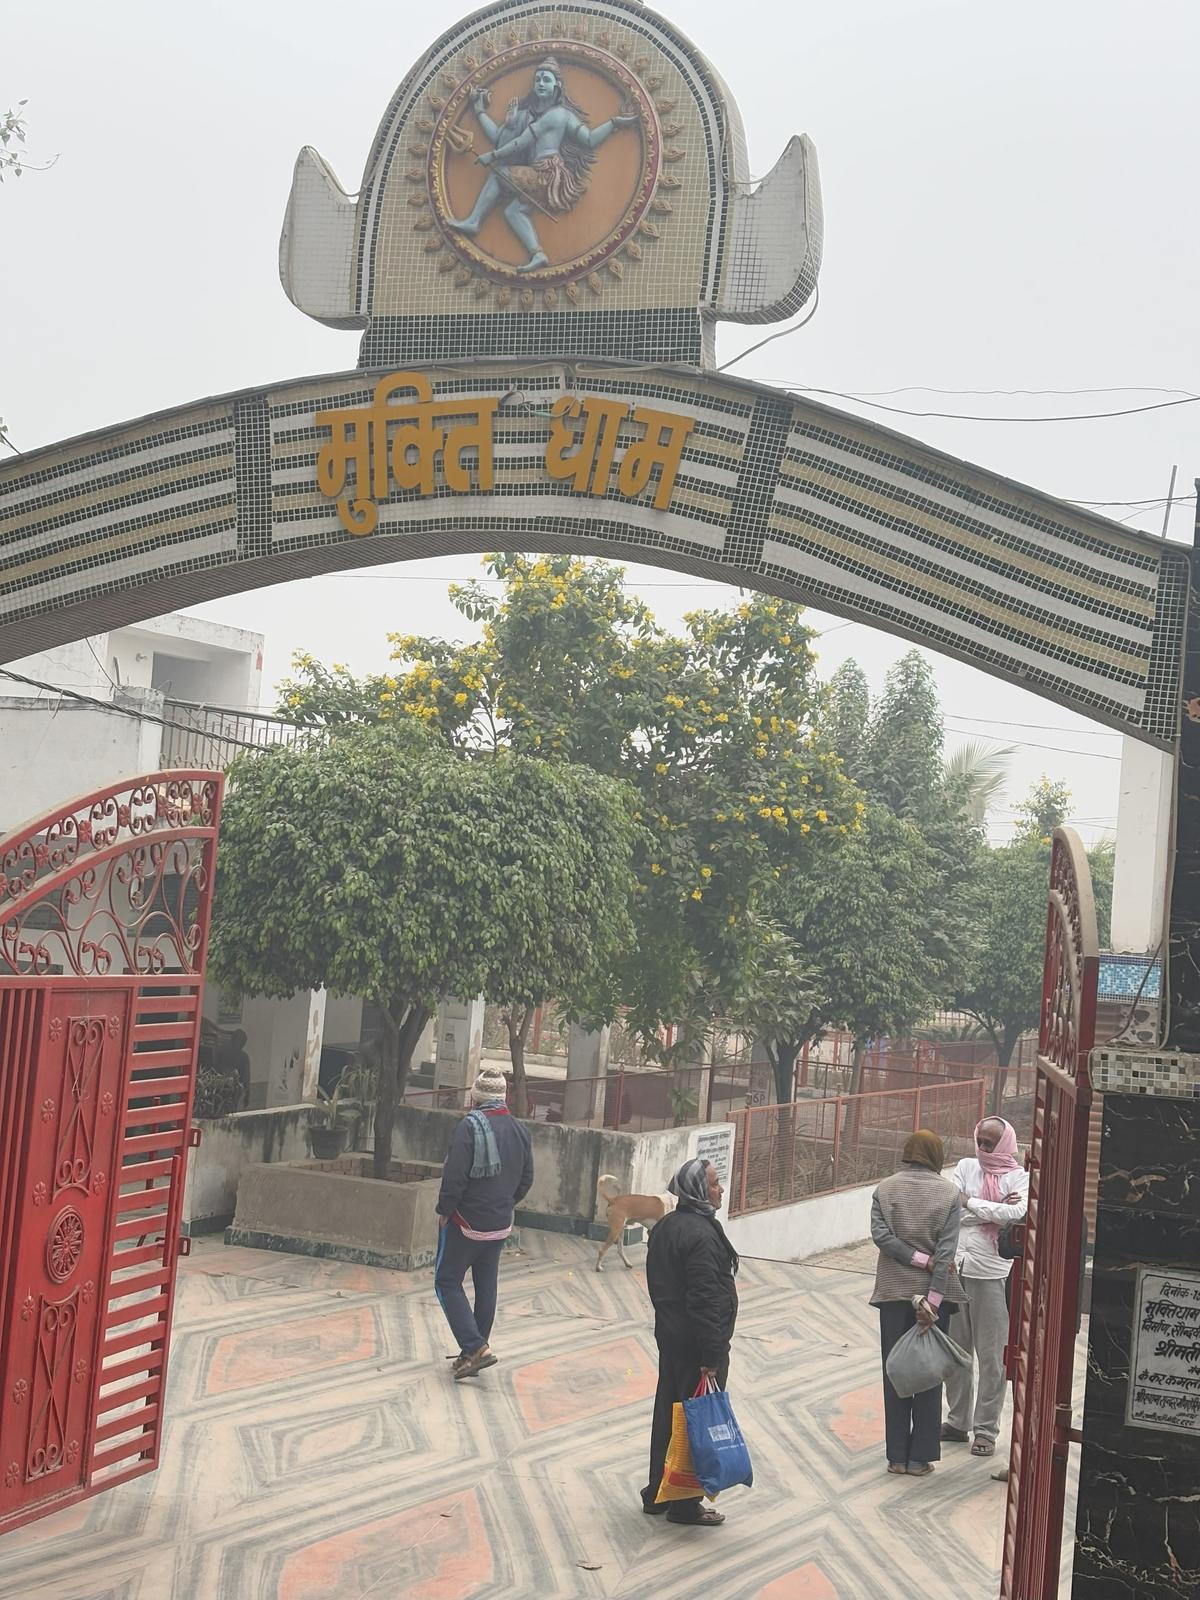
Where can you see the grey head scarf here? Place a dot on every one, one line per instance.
(690, 1187)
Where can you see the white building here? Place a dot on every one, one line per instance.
(55, 747)
(193, 689)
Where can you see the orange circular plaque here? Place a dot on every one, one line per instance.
(571, 149)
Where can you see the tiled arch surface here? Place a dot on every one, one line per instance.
(773, 492)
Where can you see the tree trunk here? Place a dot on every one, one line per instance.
(518, 1032)
(782, 1056)
(1004, 1049)
(403, 1025)
(858, 1056)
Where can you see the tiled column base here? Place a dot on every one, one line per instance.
(1174, 1074)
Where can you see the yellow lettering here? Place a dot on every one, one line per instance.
(360, 438)
(590, 467)
(661, 447)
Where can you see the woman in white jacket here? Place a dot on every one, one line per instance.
(993, 1192)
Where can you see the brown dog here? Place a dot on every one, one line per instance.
(625, 1208)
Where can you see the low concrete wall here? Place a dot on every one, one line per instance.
(567, 1161)
(795, 1232)
(228, 1147)
(307, 1210)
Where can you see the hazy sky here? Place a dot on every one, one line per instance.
(1010, 199)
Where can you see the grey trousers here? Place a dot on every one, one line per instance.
(981, 1328)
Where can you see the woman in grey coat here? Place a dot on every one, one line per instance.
(914, 1224)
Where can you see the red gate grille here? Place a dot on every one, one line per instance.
(144, 1233)
(104, 912)
(1048, 1288)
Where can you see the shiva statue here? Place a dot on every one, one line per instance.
(543, 154)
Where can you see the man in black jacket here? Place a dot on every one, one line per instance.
(488, 1170)
(690, 1269)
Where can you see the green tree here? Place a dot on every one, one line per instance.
(718, 729)
(858, 922)
(1004, 989)
(902, 758)
(378, 863)
(847, 718)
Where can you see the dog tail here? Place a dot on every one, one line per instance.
(609, 1193)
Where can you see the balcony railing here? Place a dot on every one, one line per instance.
(211, 736)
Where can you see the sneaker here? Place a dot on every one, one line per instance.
(470, 1366)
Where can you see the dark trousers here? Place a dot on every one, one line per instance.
(678, 1379)
(913, 1427)
(455, 1254)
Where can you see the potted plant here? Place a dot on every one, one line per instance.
(339, 1110)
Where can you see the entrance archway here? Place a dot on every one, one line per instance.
(716, 477)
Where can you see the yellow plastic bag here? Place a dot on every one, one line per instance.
(679, 1482)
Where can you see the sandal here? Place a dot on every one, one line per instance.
(954, 1435)
(704, 1517)
(920, 1469)
(894, 1466)
(983, 1447)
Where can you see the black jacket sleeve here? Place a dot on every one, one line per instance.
(456, 1169)
(709, 1301)
(526, 1182)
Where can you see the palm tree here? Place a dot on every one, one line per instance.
(978, 772)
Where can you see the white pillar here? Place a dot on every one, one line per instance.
(587, 1072)
(423, 1050)
(1143, 847)
(459, 1043)
(314, 1039)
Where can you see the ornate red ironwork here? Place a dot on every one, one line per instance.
(104, 911)
(114, 885)
(1045, 1315)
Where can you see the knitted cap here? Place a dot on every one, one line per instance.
(490, 1084)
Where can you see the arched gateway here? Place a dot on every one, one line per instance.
(712, 476)
(555, 212)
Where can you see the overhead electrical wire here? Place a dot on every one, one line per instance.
(964, 416)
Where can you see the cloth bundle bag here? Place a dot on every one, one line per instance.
(922, 1360)
(679, 1482)
(720, 1458)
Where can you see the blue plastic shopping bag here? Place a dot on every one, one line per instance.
(719, 1454)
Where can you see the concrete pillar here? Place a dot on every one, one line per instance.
(1143, 846)
(314, 1039)
(587, 1059)
(459, 1043)
(424, 1048)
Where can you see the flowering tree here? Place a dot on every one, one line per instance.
(378, 863)
(717, 730)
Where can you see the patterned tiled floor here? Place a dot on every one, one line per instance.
(317, 1448)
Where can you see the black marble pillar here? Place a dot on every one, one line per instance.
(1138, 1523)
(1182, 986)
(1138, 1527)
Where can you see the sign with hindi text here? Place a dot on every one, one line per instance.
(408, 439)
(1164, 1361)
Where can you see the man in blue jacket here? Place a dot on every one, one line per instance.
(488, 1170)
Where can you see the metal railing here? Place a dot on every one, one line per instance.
(626, 1102)
(784, 1153)
(211, 736)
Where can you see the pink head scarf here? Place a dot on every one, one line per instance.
(996, 1163)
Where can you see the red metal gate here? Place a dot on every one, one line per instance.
(104, 911)
(1048, 1293)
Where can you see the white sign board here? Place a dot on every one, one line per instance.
(716, 1145)
(1164, 1364)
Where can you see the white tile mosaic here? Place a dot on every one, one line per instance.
(1173, 1076)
